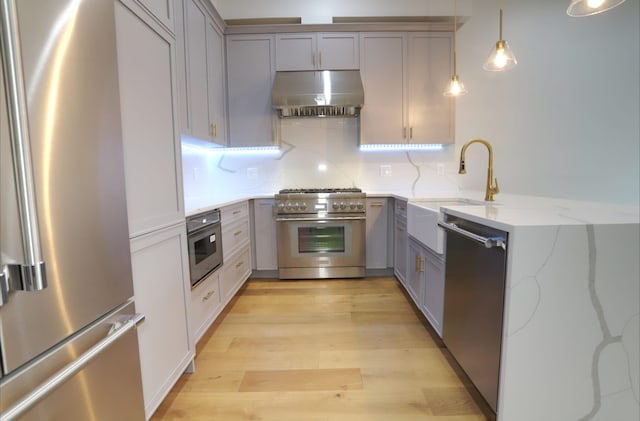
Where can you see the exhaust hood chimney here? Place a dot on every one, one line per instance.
(325, 93)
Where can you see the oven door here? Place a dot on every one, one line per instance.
(205, 252)
(321, 247)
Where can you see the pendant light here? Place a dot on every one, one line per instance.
(501, 57)
(455, 87)
(579, 8)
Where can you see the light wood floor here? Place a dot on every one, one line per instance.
(334, 350)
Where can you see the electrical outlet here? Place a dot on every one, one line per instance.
(440, 169)
(385, 170)
(252, 173)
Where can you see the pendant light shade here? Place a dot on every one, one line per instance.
(500, 57)
(455, 87)
(579, 8)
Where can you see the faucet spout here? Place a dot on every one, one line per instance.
(492, 184)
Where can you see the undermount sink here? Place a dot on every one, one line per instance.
(423, 216)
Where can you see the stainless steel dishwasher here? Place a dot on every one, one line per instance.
(476, 257)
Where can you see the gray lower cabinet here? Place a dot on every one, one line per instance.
(400, 241)
(425, 282)
(265, 245)
(377, 233)
(161, 288)
(206, 304)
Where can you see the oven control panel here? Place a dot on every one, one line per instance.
(315, 205)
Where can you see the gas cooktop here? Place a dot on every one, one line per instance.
(321, 190)
(320, 200)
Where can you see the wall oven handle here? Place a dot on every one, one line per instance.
(317, 219)
(488, 242)
(118, 329)
(31, 275)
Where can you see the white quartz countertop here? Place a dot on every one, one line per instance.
(512, 211)
(507, 212)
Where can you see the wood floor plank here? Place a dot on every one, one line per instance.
(320, 350)
(301, 380)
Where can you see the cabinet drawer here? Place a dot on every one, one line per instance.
(234, 272)
(205, 304)
(401, 208)
(233, 237)
(232, 213)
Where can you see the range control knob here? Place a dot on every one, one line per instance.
(352, 205)
(360, 205)
(289, 205)
(303, 206)
(343, 205)
(335, 205)
(280, 206)
(296, 205)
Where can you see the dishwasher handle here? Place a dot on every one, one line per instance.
(488, 242)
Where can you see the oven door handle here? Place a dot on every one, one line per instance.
(316, 219)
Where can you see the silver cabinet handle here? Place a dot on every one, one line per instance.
(118, 329)
(31, 275)
(488, 242)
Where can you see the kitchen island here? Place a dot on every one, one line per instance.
(571, 332)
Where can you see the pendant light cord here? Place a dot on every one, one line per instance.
(500, 20)
(455, 30)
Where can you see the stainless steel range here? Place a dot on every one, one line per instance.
(321, 233)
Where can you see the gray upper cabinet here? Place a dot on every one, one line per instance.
(382, 67)
(203, 108)
(318, 51)
(431, 114)
(146, 63)
(404, 75)
(216, 82)
(162, 10)
(250, 73)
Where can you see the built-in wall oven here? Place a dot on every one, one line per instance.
(204, 237)
(321, 233)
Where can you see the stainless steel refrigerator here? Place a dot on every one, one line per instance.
(68, 344)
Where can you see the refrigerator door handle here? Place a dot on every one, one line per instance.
(31, 275)
(118, 329)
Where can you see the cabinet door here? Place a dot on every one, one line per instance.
(250, 74)
(161, 10)
(197, 124)
(338, 51)
(434, 290)
(401, 249)
(382, 67)
(161, 288)
(415, 273)
(151, 143)
(376, 236)
(216, 84)
(431, 114)
(264, 234)
(296, 51)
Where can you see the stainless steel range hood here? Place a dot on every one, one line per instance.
(326, 93)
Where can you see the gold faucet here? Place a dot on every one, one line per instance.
(491, 189)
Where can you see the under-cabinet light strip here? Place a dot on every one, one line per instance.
(238, 151)
(402, 147)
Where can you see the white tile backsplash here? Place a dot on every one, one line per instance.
(306, 144)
